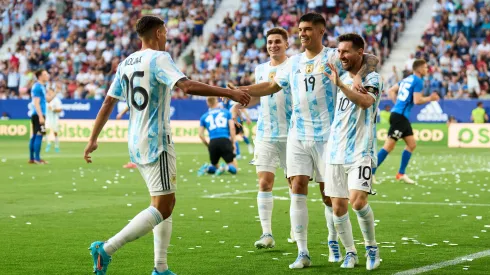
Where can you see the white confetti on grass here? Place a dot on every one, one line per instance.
(479, 217)
(12, 216)
(28, 223)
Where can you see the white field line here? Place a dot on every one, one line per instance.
(372, 202)
(440, 265)
(219, 195)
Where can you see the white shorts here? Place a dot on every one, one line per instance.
(161, 175)
(344, 177)
(304, 158)
(53, 125)
(268, 156)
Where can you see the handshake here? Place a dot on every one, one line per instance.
(240, 95)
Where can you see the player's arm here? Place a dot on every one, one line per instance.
(120, 115)
(37, 103)
(393, 92)
(202, 137)
(231, 125)
(418, 98)
(363, 100)
(369, 65)
(262, 89)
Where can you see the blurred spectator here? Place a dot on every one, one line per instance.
(5, 116)
(479, 115)
(384, 115)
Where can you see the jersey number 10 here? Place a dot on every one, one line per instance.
(135, 90)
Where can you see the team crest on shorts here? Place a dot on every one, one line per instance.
(272, 75)
(173, 179)
(309, 68)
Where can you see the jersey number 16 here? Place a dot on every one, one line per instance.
(135, 90)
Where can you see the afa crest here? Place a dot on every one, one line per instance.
(272, 75)
(309, 68)
(321, 69)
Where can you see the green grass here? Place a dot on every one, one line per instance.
(61, 229)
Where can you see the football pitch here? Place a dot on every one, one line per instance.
(50, 214)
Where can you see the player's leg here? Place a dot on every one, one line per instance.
(49, 133)
(395, 132)
(225, 151)
(406, 155)
(319, 156)
(238, 131)
(266, 160)
(214, 156)
(33, 138)
(160, 177)
(39, 132)
(359, 180)
(300, 170)
(337, 190)
(56, 138)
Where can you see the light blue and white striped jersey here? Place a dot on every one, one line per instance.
(353, 133)
(275, 110)
(313, 94)
(145, 80)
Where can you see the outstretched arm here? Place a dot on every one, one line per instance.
(262, 89)
(198, 88)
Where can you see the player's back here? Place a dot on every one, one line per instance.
(216, 122)
(276, 109)
(145, 79)
(406, 89)
(353, 132)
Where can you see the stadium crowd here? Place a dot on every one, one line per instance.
(82, 42)
(456, 46)
(14, 15)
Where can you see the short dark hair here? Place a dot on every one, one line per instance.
(315, 18)
(148, 23)
(357, 40)
(39, 72)
(479, 103)
(418, 63)
(280, 31)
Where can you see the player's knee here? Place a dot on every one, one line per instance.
(265, 184)
(339, 209)
(411, 147)
(358, 202)
(165, 205)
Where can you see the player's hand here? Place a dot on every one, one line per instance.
(234, 147)
(241, 96)
(249, 121)
(41, 119)
(357, 85)
(91, 146)
(334, 75)
(235, 114)
(119, 116)
(434, 97)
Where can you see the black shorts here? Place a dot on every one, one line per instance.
(400, 127)
(37, 128)
(238, 130)
(220, 148)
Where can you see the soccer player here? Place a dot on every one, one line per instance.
(228, 104)
(52, 120)
(313, 104)
(272, 131)
(350, 153)
(221, 128)
(145, 80)
(37, 119)
(129, 165)
(407, 93)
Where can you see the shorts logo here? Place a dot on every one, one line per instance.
(397, 134)
(365, 184)
(173, 179)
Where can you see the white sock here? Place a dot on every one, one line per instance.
(332, 232)
(56, 142)
(265, 203)
(161, 240)
(365, 217)
(139, 226)
(299, 221)
(344, 229)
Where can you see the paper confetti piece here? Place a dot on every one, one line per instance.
(28, 223)
(12, 216)
(479, 217)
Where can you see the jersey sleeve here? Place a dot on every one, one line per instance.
(418, 85)
(373, 84)
(283, 75)
(116, 89)
(37, 90)
(166, 71)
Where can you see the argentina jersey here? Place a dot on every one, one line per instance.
(353, 132)
(407, 87)
(275, 110)
(216, 122)
(313, 94)
(145, 79)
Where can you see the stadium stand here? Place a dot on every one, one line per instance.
(456, 46)
(82, 42)
(14, 15)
